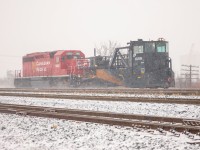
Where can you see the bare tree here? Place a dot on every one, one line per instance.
(106, 48)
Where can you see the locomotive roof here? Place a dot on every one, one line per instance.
(159, 40)
(58, 52)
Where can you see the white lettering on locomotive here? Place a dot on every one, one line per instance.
(138, 58)
(42, 63)
(38, 69)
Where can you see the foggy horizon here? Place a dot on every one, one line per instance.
(47, 25)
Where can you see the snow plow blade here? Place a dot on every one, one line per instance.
(107, 76)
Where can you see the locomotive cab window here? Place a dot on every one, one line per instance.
(138, 49)
(149, 47)
(63, 58)
(77, 55)
(161, 47)
(69, 55)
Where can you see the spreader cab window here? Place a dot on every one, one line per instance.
(138, 49)
(161, 47)
(167, 47)
(149, 47)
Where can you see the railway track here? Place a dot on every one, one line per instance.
(174, 125)
(174, 91)
(86, 96)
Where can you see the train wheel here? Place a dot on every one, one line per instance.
(166, 85)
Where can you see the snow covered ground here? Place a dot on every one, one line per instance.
(33, 133)
(160, 109)
(120, 94)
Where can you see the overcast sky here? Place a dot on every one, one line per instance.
(43, 25)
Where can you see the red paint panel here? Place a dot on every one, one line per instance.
(55, 63)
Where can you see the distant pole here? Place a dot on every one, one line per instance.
(189, 73)
(94, 52)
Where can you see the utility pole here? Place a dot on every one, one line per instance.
(189, 73)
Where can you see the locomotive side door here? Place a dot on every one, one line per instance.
(57, 63)
(138, 68)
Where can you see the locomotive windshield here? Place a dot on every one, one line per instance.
(138, 49)
(149, 47)
(71, 55)
(161, 47)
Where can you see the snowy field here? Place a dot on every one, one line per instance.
(109, 94)
(33, 133)
(160, 109)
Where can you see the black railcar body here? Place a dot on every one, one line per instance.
(142, 64)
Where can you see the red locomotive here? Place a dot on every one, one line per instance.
(51, 68)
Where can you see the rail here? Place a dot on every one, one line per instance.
(149, 123)
(102, 97)
(193, 92)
